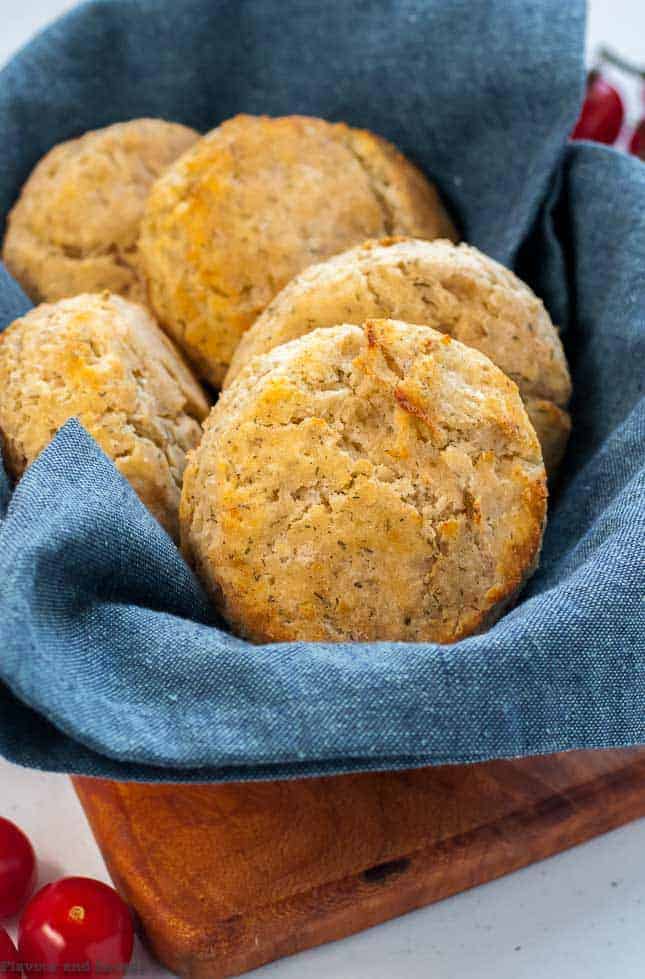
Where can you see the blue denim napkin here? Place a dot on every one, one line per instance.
(111, 661)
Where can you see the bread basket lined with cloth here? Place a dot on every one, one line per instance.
(112, 662)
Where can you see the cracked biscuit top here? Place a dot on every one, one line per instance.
(365, 483)
(76, 224)
(253, 203)
(105, 361)
(455, 289)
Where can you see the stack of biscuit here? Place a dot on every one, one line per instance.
(391, 401)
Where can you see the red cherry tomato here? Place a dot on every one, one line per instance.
(602, 112)
(637, 144)
(17, 869)
(8, 956)
(79, 923)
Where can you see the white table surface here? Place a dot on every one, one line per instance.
(580, 915)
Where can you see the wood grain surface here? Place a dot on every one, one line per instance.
(227, 877)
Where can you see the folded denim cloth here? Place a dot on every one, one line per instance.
(111, 661)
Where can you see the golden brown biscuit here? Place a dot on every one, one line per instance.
(363, 484)
(455, 289)
(253, 203)
(75, 226)
(105, 361)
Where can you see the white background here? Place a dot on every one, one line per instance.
(580, 915)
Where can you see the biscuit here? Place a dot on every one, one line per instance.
(455, 289)
(103, 360)
(75, 226)
(365, 483)
(253, 203)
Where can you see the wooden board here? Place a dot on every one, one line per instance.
(227, 877)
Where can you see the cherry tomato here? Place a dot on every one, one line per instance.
(8, 956)
(17, 869)
(79, 923)
(602, 112)
(637, 144)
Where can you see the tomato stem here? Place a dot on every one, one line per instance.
(617, 60)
